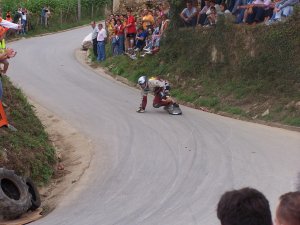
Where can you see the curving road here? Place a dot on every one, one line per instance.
(151, 168)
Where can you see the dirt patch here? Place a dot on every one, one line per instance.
(74, 155)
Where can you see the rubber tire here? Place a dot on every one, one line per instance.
(14, 196)
(35, 195)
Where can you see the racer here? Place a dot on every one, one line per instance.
(160, 88)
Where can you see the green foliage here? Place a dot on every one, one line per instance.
(61, 10)
(242, 70)
(29, 151)
(209, 102)
(234, 110)
(293, 121)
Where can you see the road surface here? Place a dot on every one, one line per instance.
(151, 168)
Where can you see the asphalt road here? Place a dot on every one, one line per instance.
(151, 168)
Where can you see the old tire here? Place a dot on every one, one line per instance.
(14, 196)
(35, 195)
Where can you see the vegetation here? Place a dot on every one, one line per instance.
(246, 71)
(64, 13)
(28, 150)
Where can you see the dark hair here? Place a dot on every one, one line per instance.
(246, 206)
(289, 208)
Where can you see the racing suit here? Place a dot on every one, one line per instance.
(160, 88)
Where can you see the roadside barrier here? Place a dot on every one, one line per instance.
(3, 119)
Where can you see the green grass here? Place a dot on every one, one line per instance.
(255, 68)
(29, 151)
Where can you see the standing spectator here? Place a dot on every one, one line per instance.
(246, 206)
(94, 37)
(24, 21)
(131, 30)
(288, 209)
(101, 38)
(148, 20)
(189, 15)
(47, 16)
(126, 39)
(43, 15)
(120, 35)
(17, 19)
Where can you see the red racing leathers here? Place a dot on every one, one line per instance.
(160, 89)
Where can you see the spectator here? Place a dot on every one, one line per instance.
(120, 34)
(148, 20)
(140, 39)
(256, 12)
(24, 21)
(245, 206)
(126, 39)
(47, 16)
(212, 17)
(5, 53)
(101, 38)
(189, 15)
(288, 209)
(94, 37)
(239, 10)
(112, 36)
(43, 15)
(202, 14)
(164, 24)
(283, 8)
(131, 30)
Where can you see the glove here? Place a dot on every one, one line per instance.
(162, 95)
(140, 110)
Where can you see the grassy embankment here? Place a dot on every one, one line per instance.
(249, 72)
(28, 150)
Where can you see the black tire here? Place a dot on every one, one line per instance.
(35, 195)
(14, 196)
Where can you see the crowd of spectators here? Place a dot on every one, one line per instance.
(138, 33)
(134, 34)
(22, 17)
(206, 12)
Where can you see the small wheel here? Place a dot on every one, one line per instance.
(14, 196)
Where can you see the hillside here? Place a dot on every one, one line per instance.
(249, 72)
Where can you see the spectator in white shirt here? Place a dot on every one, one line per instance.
(101, 38)
(189, 15)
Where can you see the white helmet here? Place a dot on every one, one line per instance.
(142, 80)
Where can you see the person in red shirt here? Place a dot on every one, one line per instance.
(119, 30)
(131, 29)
